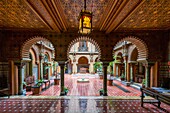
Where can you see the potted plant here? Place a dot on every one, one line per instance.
(111, 73)
(24, 85)
(66, 90)
(143, 83)
(37, 88)
(101, 91)
(101, 75)
(122, 77)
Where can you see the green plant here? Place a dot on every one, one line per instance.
(24, 83)
(40, 81)
(66, 89)
(38, 84)
(101, 90)
(123, 75)
(98, 66)
(143, 81)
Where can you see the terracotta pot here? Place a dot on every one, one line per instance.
(36, 90)
(101, 76)
(56, 81)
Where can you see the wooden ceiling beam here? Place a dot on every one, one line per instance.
(33, 8)
(126, 8)
(49, 12)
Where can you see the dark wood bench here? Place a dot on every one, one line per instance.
(5, 92)
(159, 97)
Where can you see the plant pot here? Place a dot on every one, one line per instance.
(122, 79)
(101, 93)
(110, 82)
(56, 81)
(101, 76)
(36, 90)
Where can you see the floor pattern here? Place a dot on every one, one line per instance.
(77, 105)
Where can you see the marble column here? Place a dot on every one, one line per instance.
(125, 64)
(105, 64)
(117, 70)
(131, 70)
(20, 77)
(62, 64)
(41, 56)
(147, 73)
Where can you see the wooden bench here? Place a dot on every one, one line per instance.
(5, 92)
(159, 97)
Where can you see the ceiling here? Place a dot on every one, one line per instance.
(108, 15)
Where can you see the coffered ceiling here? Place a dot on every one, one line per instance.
(108, 15)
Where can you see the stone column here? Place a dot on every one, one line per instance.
(41, 56)
(147, 73)
(131, 70)
(105, 64)
(62, 64)
(125, 64)
(20, 77)
(117, 70)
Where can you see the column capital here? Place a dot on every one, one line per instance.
(132, 62)
(105, 63)
(149, 64)
(19, 64)
(61, 63)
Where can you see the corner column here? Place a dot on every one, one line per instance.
(62, 64)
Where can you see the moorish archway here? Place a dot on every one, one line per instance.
(86, 39)
(24, 52)
(140, 45)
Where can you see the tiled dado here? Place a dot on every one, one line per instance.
(77, 105)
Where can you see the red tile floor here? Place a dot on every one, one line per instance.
(88, 89)
(77, 105)
(82, 98)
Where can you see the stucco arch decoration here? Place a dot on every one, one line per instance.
(83, 38)
(35, 51)
(140, 45)
(24, 52)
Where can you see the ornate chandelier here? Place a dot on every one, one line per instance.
(85, 21)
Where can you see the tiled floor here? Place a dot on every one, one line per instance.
(77, 105)
(81, 98)
(88, 89)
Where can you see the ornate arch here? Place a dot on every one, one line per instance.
(24, 52)
(132, 54)
(35, 52)
(83, 38)
(140, 45)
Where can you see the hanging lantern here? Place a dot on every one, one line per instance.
(85, 21)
